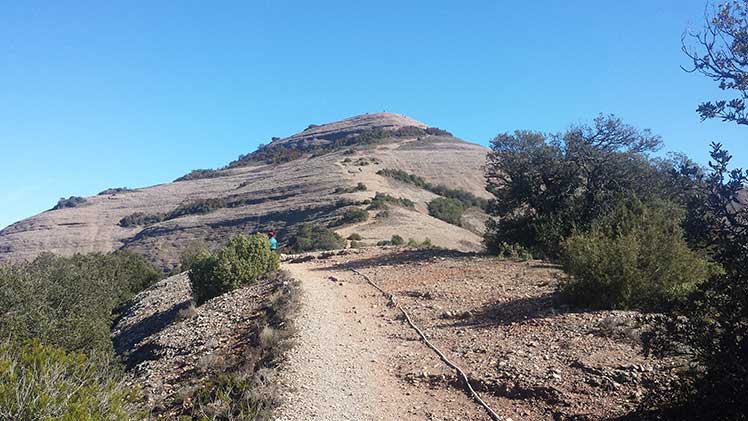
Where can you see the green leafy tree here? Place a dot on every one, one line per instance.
(712, 327)
(720, 52)
(548, 186)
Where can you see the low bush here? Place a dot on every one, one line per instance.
(310, 237)
(396, 240)
(355, 237)
(140, 218)
(446, 209)
(466, 198)
(241, 261)
(189, 254)
(39, 382)
(383, 200)
(356, 244)
(115, 190)
(633, 258)
(352, 216)
(514, 252)
(358, 187)
(68, 301)
(70, 202)
(199, 174)
(195, 207)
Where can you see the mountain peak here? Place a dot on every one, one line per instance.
(350, 126)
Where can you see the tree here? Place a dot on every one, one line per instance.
(720, 52)
(713, 326)
(547, 186)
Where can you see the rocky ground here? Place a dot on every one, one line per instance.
(527, 355)
(355, 358)
(170, 346)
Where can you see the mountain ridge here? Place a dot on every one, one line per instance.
(259, 195)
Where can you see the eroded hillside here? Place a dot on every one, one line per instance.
(307, 177)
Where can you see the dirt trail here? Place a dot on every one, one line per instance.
(345, 364)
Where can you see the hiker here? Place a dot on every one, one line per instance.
(273, 241)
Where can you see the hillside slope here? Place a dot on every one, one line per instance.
(257, 193)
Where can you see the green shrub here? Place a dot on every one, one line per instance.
(396, 240)
(352, 216)
(68, 301)
(355, 237)
(384, 243)
(70, 202)
(115, 190)
(140, 218)
(466, 198)
(189, 254)
(195, 207)
(241, 261)
(412, 243)
(446, 209)
(634, 257)
(514, 252)
(356, 244)
(199, 174)
(383, 200)
(310, 237)
(39, 382)
(426, 244)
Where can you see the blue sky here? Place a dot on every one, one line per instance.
(106, 94)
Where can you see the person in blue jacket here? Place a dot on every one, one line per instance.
(273, 241)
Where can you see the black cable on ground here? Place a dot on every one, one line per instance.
(473, 394)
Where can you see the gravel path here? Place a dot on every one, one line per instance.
(338, 371)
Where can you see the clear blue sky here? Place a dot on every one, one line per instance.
(105, 94)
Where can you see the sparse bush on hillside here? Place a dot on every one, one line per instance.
(633, 258)
(465, 197)
(241, 261)
(284, 152)
(70, 202)
(446, 209)
(396, 240)
(40, 382)
(140, 218)
(199, 206)
(115, 190)
(358, 187)
(353, 216)
(199, 174)
(310, 237)
(383, 200)
(355, 237)
(68, 301)
(195, 207)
